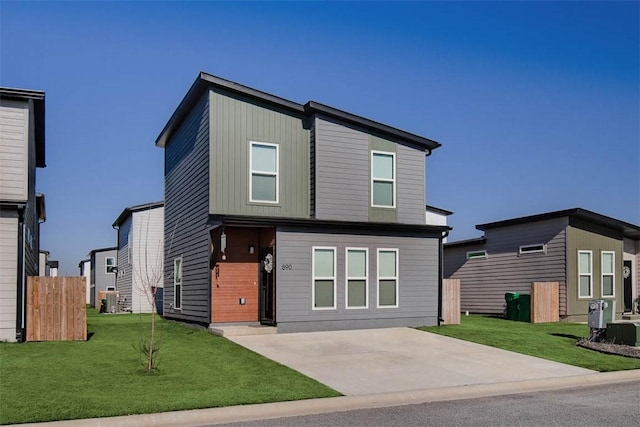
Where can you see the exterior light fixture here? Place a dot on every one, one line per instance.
(251, 249)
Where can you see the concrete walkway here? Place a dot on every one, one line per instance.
(363, 362)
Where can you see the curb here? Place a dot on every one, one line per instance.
(255, 412)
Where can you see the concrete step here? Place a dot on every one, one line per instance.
(634, 317)
(238, 330)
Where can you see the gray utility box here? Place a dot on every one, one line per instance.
(601, 312)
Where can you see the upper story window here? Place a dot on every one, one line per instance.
(533, 249)
(264, 179)
(110, 265)
(608, 275)
(477, 254)
(585, 271)
(383, 179)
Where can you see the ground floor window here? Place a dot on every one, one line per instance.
(357, 281)
(387, 278)
(608, 259)
(324, 278)
(585, 271)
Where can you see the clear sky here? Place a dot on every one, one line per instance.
(537, 104)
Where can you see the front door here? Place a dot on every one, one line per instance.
(628, 293)
(267, 288)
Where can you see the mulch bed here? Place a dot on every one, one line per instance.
(610, 348)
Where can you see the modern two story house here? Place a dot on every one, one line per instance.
(304, 217)
(140, 260)
(22, 150)
(103, 269)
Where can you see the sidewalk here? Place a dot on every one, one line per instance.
(201, 417)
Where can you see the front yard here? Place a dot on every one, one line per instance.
(552, 341)
(105, 376)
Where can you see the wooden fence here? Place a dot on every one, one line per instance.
(451, 301)
(56, 309)
(545, 304)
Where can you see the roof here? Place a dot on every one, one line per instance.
(438, 210)
(37, 96)
(205, 81)
(94, 251)
(475, 241)
(628, 230)
(137, 208)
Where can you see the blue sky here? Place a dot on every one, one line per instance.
(537, 104)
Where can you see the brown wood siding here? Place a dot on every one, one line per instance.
(483, 282)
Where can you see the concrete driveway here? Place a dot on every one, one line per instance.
(362, 362)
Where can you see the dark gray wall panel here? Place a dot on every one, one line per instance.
(186, 196)
(410, 185)
(124, 276)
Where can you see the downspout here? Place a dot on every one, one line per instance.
(21, 282)
(440, 271)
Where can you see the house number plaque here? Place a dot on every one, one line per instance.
(287, 267)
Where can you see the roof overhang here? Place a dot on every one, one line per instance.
(137, 208)
(206, 81)
(468, 242)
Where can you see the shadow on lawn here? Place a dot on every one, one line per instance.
(574, 337)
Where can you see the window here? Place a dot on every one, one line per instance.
(264, 180)
(476, 254)
(608, 276)
(324, 278)
(177, 283)
(387, 278)
(533, 249)
(356, 277)
(383, 179)
(110, 265)
(585, 268)
(111, 288)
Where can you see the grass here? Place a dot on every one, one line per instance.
(552, 341)
(105, 376)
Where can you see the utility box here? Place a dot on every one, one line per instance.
(624, 333)
(596, 318)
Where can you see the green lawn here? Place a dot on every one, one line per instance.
(105, 376)
(553, 341)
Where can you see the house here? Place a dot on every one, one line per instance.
(103, 268)
(85, 271)
(140, 256)
(304, 217)
(436, 216)
(590, 255)
(22, 150)
(46, 266)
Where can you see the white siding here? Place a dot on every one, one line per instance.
(14, 119)
(147, 263)
(86, 273)
(8, 278)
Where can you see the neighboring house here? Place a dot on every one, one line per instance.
(85, 271)
(22, 150)
(46, 266)
(104, 268)
(140, 255)
(591, 256)
(436, 216)
(300, 216)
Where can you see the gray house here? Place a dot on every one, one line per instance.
(591, 256)
(22, 150)
(301, 216)
(103, 268)
(140, 256)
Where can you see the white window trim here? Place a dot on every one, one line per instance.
(396, 278)
(612, 274)
(106, 264)
(347, 278)
(590, 274)
(393, 180)
(473, 254)
(258, 172)
(314, 278)
(175, 283)
(524, 249)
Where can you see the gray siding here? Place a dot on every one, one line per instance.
(124, 279)
(234, 124)
(342, 179)
(14, 133)
(341, 172)
(8, 277)
(101, 278)
(186, 196)
(483, 282)
(418, 281)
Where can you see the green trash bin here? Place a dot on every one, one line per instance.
(524, 308)
(103, 306)
(511, 299)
